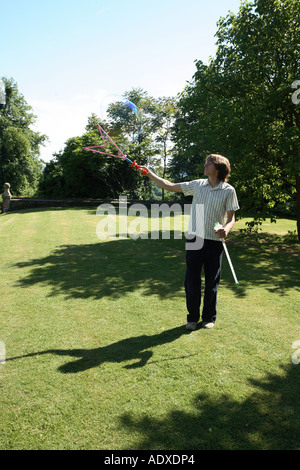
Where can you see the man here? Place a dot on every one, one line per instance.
(219, 201)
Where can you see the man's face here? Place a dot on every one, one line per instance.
(210, 169)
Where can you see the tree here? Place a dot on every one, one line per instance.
(164, 115)
(76, 172)
(20, 164)
(154, 136)
(240, 104)
(52, 183)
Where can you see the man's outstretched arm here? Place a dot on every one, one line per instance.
(164, 184)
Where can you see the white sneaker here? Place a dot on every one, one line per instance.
(208, 325)
(191, 325)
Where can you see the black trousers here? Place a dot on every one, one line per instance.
(208, 257)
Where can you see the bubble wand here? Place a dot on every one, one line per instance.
(217, 227)
(121, 155)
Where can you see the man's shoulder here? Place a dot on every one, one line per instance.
(201, 182)
(227, 186)
(197, 182)
(205, 182)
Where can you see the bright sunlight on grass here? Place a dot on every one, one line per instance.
(97, 355)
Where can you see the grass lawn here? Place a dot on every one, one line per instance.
(97, 355)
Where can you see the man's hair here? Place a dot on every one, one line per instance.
(222, 165)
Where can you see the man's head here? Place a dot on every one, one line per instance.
(221, 164)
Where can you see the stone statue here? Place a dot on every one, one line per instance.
(6, 190)
(6, 196)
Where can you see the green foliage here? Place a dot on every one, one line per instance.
(76, 172)
(240, 106)
(52, 183)
(19, 144)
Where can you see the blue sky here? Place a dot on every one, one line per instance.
(67, 55)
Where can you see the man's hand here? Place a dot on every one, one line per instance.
(222, 232)
(143, 170)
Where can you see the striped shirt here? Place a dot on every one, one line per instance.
(209, 206)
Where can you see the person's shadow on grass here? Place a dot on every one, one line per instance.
(137, 348)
